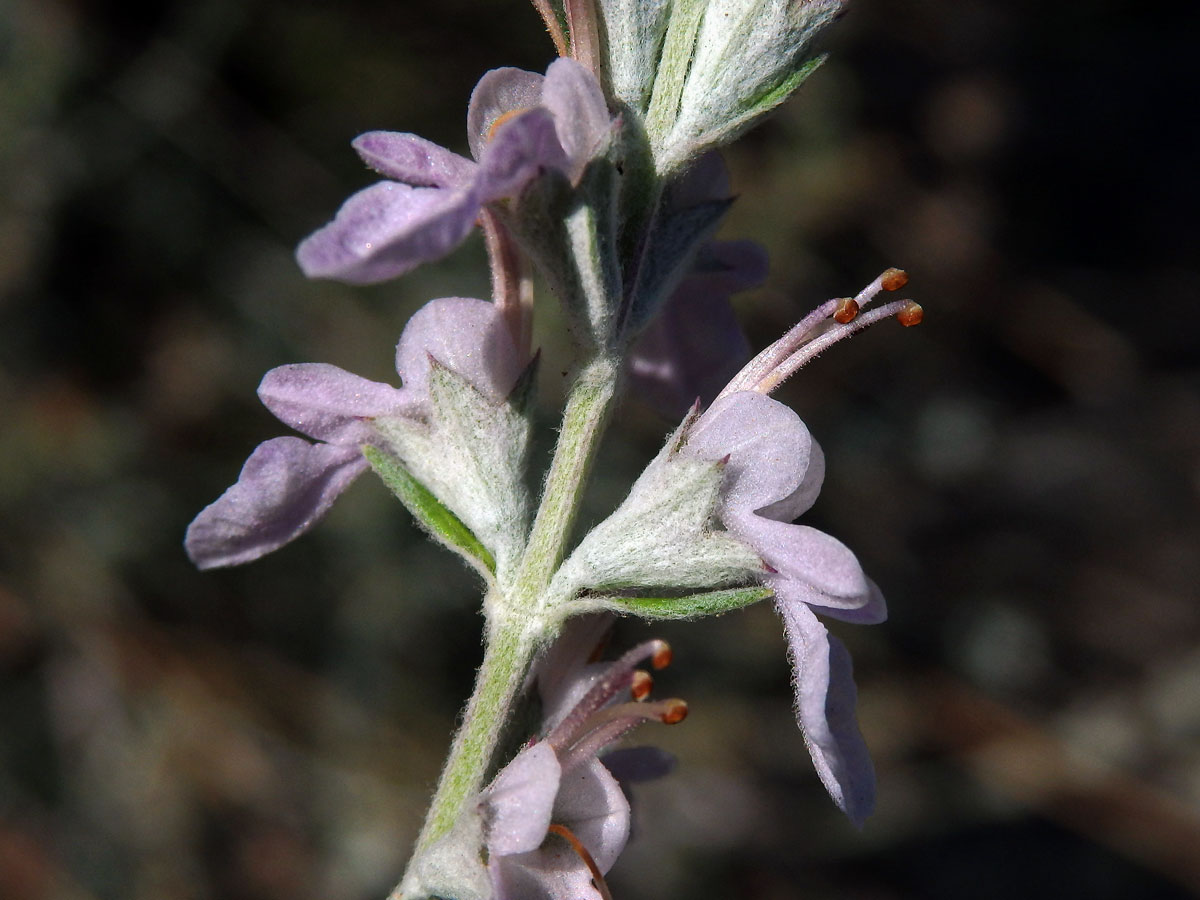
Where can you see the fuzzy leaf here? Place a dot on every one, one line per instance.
(660, 537)
(479, 455)
(440, 522)
(709, 603)
(678, 49)
(764, 103)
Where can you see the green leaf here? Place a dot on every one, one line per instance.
(765, 102)
(710, 603)
(673, 67)
(439, 521)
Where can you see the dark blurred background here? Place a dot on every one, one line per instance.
(1020, 474)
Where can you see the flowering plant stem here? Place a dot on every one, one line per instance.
(509, 648)
(519, 623)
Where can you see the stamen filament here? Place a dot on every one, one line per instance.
(763, 372)
(618, 677)
(512, 286)
(758, 368)
(577, 845)
(615, 722)
(818, 345)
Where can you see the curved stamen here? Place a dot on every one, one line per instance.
(615, 722)
(577, 845)
(501, 119)
(888, 280)
(905, 311)
(762, 373)
(617, 677)
(759, 367)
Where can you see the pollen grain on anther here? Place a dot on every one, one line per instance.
(893, 279)
(662, 655)
(643, 683)
(911, 314)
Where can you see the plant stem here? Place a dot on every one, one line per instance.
(583, 424)
(517, 628)
(509, 649)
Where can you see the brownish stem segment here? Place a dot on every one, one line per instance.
(584, 28)
(512, 286)
(546, 11)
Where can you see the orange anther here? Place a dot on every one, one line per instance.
(662, 655)
(642, 684)
(893, 279)
(911, 314)
(674, 711)
(846, 311)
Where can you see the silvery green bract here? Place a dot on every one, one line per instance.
(721, 65)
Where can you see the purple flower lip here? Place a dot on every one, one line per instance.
(519, 125)
(288, 484)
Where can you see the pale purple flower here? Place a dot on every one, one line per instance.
(556, 817)
(288, 483)
(773, 471)
(772, 475)
(518, 125)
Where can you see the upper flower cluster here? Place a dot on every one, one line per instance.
(703, 71)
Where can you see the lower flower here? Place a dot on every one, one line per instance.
(556, 817)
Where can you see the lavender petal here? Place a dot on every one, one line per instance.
(498, 92)
(520, 148)
(328, 403)
(413, 160)
(465, 335)
(825, 708)
(581, 117)
(284, 488)
(387, 229)
(519, 801)
(768, 448)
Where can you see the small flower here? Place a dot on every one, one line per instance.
(773, 473)
(556, 817)
(749, 463)
(518, 125)
(288, 483)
